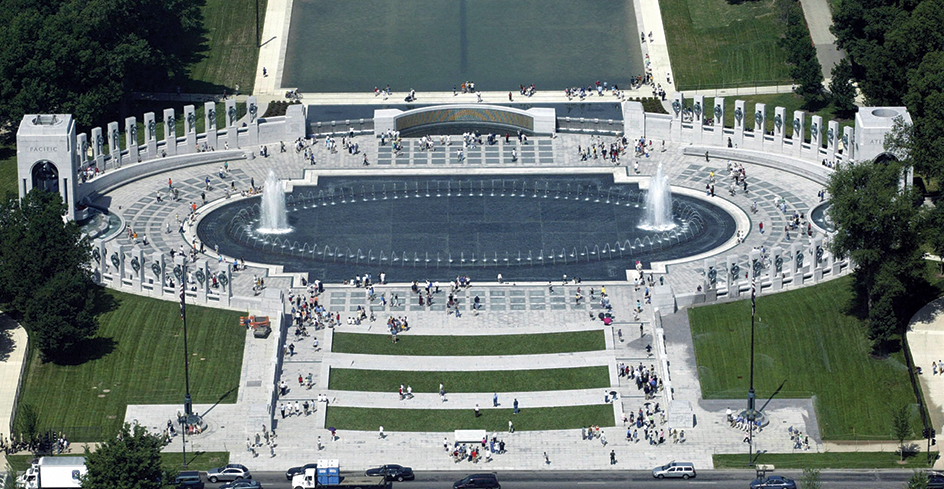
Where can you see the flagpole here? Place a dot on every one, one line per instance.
(188, 404)
(751, 413)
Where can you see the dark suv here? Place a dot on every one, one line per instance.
(189, 479)
(478, 481)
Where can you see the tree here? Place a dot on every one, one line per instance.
(877, 226)
(842, 90)
(901, 426)
(918, 480)
(131, 460)
(85, 57)
(44, 274)
(807, 73)
(925, 101)
(811, 478)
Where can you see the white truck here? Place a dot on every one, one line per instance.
(53, 473)
(311, 480)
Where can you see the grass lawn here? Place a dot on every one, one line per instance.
(470, 381)
(806, 345)
(551, 418)
(511, 344)
(171, 461)
(8, 175)
(789, 101)
(232, 50)
(827, 460)
(717, 44)
(136, 359)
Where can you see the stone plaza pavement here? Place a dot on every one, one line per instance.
(507, 308)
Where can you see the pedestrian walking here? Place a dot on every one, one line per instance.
(516, 406)
(382, 436)
(478, 412)
(511, 427)
(319, 442)
(547, 459)
(495, 400)
(612, 457)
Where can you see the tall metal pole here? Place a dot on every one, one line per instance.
(751, 413)
(188, 403)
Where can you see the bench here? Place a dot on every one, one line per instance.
(470, 436)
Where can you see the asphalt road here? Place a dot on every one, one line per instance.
(872, 479)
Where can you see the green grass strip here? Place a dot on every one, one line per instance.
(171, 461)
(470, 381)
(808, 344)
(826, 460)
(511, 344)
(443, 420)
(137, 358)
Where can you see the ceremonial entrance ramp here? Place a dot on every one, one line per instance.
(456, 119)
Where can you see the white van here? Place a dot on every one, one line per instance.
(682, 470)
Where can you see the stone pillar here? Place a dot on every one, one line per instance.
(114, 144)
(720, 138)
(190, 128)
(816, 140)
(296, 121)
(170, 132)
(150, 135)
(203, 279)
(120, 273)
(799, 128)
(253, 111)
(760, 126)
(98, 148)
(225, 279)
(734, 273)
(739, 116)
(98, 259)
(818, 253)
(82, 147)
(848, 143)
(756, 266)
(131, 139)
(179, 272)
(780, 128)
(157, 270)
(776, 272)
(711, 280)
(799, 262)
(139, 272)
(209, 115)
(832, 141)
(677, 106)
(232, 134)
(698, 125)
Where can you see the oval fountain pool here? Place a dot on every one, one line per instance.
(526, 228)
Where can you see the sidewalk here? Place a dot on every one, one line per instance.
(926, 342)
(13, 349)
(820, 19)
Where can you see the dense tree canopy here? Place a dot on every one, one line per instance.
(85, 56)
(131, 460)
(44, 274)
(878, 226)
(897, 53)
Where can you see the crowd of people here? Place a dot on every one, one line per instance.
(47, 442)
(474, 452)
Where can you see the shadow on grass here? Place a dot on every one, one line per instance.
(92, 348)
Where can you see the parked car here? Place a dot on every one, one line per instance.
(935, 480)
(292, 472)
(478, 481)
(773, 482)
(393, 472)
(230, 472)
(673, 469)
(242, 484)
(188, 479)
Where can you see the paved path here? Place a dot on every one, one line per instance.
(926, 343)
(819, 19)
(13, 350)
